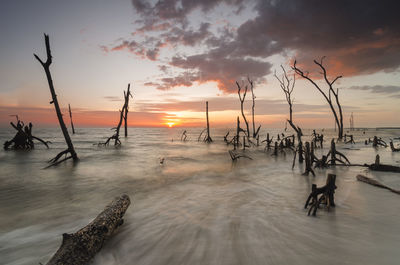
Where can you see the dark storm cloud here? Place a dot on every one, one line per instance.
(358, 37)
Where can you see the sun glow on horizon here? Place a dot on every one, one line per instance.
(170, 124)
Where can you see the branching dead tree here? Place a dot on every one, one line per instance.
(127, 94)
(287, 85)
(327, 195)
(70, 117)
(255, 132)
(337, 112)
(79, 248)
(234, 156)
(46, 67)
(242, 98)
(122, 113)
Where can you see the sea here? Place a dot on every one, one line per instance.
(192, 205)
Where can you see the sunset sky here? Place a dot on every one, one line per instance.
(178, 54)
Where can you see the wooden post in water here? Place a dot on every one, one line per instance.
(70, 117)
(127, 94)
(208, 139)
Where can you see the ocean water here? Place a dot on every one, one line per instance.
(197, 207)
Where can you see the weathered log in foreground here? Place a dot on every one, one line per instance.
(375, 183)
(80, 247)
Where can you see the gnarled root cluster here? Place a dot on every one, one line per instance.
(23, 139)
(322, 195)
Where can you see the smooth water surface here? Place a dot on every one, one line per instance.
(197, 207)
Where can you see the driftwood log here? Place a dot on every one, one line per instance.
(80, 247)
(375, 183)
(46, 67)
(377, 166)
(326, 195)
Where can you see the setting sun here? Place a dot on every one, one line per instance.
(170, 124)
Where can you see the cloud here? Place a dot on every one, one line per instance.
(358, 37)
(263, 106)
(113, 98)
(389, 90)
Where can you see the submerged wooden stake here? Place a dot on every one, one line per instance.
(80, 247)
(208, 138)
(70, 117)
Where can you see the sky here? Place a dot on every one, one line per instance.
(178, 54)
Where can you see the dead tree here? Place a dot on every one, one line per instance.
(46, 67)
(375, 183)
(327, 195)
(287, 86)
(234, 156)
(70, 117)
(23, 139)
(122, 116)
(309, 158)
(126, 108)
(268, 142)
(337, 112)
(80, 247)
(184, 136)
(350, 141)
(208, 137)
(377, 141)
(242, 98)
(237, 136)
(255, 132)
(201, 133)
(333, 152)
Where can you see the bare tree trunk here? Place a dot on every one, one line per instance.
(46, 67)
(70, 117)
(80, 247)
(126, 107)
(208, 138)
(241, 106)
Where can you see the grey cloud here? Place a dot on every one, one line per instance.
(378, 89)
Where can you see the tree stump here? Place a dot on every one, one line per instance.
(326, 194)
(79, 248)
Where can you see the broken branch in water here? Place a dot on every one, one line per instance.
(235, 156)
(375, 183)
